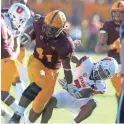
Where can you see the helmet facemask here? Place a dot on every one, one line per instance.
(99, 73)
(54, 23)
(117, 12)
(18, 14)
(104, 69)
(118, 16)
(17, 21)
(51, 32)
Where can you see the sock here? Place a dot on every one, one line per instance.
(14, 106)
(19, 90)
(20, 110)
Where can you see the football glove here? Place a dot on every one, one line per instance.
(78, 43)
(74, 91)
(63, 83)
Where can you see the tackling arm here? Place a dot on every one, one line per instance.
(101, 45)
(75, 60)
(67, 70)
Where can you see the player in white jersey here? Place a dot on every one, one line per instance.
(15, 18)
(89, 78)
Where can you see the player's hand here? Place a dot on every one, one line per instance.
(115, 45)
(63, 83)
(78, 43)
(74, 91)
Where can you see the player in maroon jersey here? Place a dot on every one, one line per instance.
(110, 42)
(54, 47)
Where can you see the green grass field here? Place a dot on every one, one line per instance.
(105, 111)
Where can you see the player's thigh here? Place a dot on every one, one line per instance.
(21, 54)
(36, 72)
(80, 103)
(8, 69)
(64, 99)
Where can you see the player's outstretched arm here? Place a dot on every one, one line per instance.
(75, 59)
(69, 78)
(101, 45)
(48, 110)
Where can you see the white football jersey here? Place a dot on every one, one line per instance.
(82, 74)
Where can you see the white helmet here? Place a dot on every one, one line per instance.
(106, 68)
(19, 14)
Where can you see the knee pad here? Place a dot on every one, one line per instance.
(31, 91)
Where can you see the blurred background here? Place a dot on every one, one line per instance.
(84, 16)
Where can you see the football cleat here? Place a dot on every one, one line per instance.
(15, 118)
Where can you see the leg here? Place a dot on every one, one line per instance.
(43, 97)
(48, 110)
(86, 111)
(7, 81)
(9, 100)
(116, 82)
(19, 86)
(27, 97)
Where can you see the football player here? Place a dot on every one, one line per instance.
(120, 114)
(15, 18)
(89, 79)
(8, 61)
(110, 42)
(53, 47)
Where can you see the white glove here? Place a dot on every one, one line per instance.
(63, 83)
(78, 43)
(74, 91)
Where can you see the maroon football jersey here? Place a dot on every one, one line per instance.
(51, 54)
(6, 51)
(113, 34)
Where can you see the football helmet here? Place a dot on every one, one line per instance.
(18, 14)
(106, 68)
(54, 23)
(117, 12)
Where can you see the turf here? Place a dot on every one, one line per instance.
(105, 111)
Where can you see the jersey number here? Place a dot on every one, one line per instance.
(40, 52)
